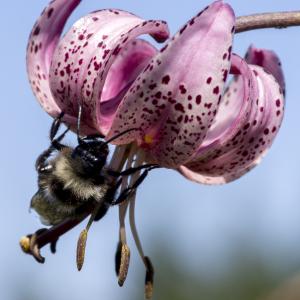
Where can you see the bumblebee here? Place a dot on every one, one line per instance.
(74, 181)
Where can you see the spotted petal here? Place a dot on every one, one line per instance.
(246, 135)
(86, 54)
(175, 99)
(41, 45)
(267, 59)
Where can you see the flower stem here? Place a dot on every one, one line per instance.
(267, 20)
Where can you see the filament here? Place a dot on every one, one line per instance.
(124, 206)
(134, 177)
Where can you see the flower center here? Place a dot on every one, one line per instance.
(148, 139)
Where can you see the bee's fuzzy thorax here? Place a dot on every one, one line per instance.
(68, 171)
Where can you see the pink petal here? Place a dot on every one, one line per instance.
(85, 55)
(234, 109)
(269, 60)
(228, 158)
(128, 65)
(175, 99)
(42, 42)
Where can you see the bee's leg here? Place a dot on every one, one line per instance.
(130, 190)
(101, 212)
(55, 126)
(130, 171)
(91, 137)
(55, 142)
(41, 164)
(80, 140)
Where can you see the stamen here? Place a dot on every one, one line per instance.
(148, 265)
(123, 255)
(32, 243)
(123, 251)
(133, 227)
(81, 245)
(149, 278)
(25, 244)
(116, 164)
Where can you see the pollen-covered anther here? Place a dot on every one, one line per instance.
(81, 245)
(124, 254)
(149, 278)
(25, 244)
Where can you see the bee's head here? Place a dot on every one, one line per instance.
(91, 156)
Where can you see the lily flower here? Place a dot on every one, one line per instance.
(174, 96)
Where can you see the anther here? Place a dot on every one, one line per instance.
(29, 245)
(149, 278)
(81, 245)
(25, 243)
(122, 262)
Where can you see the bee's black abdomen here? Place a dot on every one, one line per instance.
(63, 194)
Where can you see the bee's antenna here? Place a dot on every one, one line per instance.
(78, 122)
(119, 134)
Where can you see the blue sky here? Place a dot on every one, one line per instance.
(261, 210)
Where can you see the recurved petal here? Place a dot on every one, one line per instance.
(175, 99)
(232, 157)
(41, 45)
(269, 60)
(86, 54)
(126, 68)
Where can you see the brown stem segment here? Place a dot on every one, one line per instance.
(267, 20)
(55, 232)
(32, 243)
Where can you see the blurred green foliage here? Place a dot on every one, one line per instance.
(247, 278)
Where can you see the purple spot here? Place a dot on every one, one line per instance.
(50, 12)
(266, 131)
(152, 86)
(37, 30)
(216, 90)
(158, 95)
(165, 79)
(183, 29)
(198, 99)
(182, 89)
(179, 107)
(225, 74)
